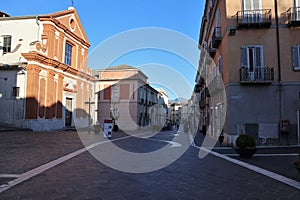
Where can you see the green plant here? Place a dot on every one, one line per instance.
(245, 146)
(245, 141)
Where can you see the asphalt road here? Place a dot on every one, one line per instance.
(57, 165)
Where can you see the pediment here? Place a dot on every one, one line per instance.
(69, 19)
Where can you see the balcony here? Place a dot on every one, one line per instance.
(254, 18)
(216, 37)
(203, 98)
(216, 84)
(211, 50)
(259, 75)
(197, 88)
(293, 16)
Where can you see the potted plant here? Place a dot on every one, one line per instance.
(297, 163)
(245, 146)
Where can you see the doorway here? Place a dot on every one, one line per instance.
(68, 114)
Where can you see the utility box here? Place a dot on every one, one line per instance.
(107, 128)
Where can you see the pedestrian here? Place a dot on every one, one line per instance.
(221, 138)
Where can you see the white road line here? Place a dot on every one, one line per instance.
(172, 143)
(265, 155)
(36, 171)
(9, 175)
(259, 170)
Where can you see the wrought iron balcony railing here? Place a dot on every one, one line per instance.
(216, 37)
(216, 84)
(293, 16)
(254, 18)
(256, 75)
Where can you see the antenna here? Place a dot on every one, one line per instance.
(72, 1)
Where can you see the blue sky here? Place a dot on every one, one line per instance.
(103, 19)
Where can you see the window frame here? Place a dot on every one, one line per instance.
(68, 53)
(296, 57)
(15, 92)
(245, 58)
(220, 65)
(7, 45)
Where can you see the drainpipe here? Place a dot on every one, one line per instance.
(279, 66)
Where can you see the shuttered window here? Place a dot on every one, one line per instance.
(252, 4)
(252, 56)
(252, 11)
(220, 65)
(296, 57)
(6, 44)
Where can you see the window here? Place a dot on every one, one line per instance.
(252, 56)
(296, 57)
(252, 59)
(6, 44)
(220, 65)
(252, 11)
(218, 18)
(68, 54)
(124, 91)
(16, 91)
(107, 92)
(297, 9)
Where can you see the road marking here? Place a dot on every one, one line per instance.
(9, 175)
(259, 170)
(36, 171)
(265, 155)
(173, 144)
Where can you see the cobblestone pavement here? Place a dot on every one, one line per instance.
(84, 177)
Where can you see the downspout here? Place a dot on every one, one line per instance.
(279, 67)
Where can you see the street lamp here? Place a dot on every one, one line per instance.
(89, 103)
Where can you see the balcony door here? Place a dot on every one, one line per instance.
(252, 59)
(252, 11)
(68, 112)
(297, 10)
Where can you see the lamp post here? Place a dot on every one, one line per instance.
(279, 67)
(89, 103)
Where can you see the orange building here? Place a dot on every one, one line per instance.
(45, 82)
(255, 49)
(124, 94)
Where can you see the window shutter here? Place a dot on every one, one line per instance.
(256, 4)
(220, 65)
(218, 20)
(297, 3)
(246, 5)
(244, 58)
(295, 56)
(259, 56)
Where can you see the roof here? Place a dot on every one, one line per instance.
(3, 14)
(122, 67)
(60, 19)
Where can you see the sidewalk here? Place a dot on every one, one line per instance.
(8, 128)
(278, 159)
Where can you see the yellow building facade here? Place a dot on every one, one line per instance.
(254, 46)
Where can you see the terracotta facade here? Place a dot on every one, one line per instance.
(241, 39)
(50, 81)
